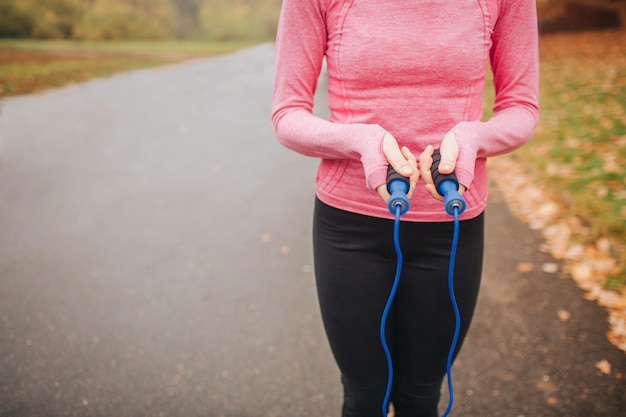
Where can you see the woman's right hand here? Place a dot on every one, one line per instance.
(403, 161)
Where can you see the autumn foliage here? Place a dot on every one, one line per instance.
(138, 19)
(569, 182)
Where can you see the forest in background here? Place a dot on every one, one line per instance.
(139, 19)
(222, 20)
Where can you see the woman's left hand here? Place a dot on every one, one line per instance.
(449, 150)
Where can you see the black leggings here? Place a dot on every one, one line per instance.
(355, 265)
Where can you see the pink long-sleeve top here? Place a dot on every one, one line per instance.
(415, 69)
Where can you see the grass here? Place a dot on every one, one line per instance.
(28, 66)
(579, 149)
(133, 47)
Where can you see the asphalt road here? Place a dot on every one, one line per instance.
(155, 260)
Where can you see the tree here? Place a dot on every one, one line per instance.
(238, 19)
(46, 19)
(15, 21)
(139, 19)
(127, 19)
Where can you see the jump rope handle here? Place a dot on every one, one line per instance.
(447, 186)
(398, 187)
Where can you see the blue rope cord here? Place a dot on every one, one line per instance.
(455, 306)
(457, 315)
(383, 321)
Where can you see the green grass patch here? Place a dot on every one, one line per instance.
(18, 78)
(579, 149)
(166, 47)
(28, 66)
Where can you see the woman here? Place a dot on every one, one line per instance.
(404, 76)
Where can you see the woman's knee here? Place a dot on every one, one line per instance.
(419, 401)
(362, 401)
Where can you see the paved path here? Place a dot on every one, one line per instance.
(156, 261)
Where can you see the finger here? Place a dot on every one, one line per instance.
(416, 173)
(426, 161)
(449, 153)
(433, 192)
(383, 193)
(394, 156)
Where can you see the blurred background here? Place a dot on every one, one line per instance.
(139, 19)
(89, 320)
(578, 153)
(221, 19)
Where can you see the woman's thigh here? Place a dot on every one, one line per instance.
(354, 274)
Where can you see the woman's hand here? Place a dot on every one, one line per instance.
(449, 153)
(403, 161)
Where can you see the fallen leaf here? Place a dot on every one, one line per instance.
(602, 191)
(525, 267)
(604, 245)
(612, 300)
(564, 315)
(550, 268)
(582, 272)
(547, 210)
(575, 252)
(604, 366)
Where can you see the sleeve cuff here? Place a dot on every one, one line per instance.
(377, 177)
(374, 161)
(468, 152)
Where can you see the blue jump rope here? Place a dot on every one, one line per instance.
(454, 204)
